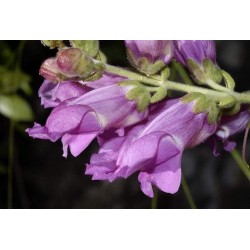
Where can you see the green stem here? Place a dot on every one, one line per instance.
(171, 85)
(240, 162)
(10, 164)
(187, 193)
(154, 201)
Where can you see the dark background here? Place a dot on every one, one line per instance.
(44, 179)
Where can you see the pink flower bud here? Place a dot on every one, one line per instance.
(72, 62)
(50, 71)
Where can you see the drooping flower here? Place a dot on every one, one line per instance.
(196, 50)
(77, 121)
(149, 56)
(230, 126)
(154, 148)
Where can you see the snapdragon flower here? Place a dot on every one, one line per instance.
(77, 121)
(154, 149)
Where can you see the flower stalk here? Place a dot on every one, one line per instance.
(217, 95)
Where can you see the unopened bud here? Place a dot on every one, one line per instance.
(149, 56)
(50, 71)
(72, 62)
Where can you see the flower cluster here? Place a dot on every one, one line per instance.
(138, 127)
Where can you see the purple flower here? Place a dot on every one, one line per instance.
(231, 125)
(196, 50)
(106, 80)
(153, 50)
(78, 121)
(149, 56)
(154, 148)
(52, 94)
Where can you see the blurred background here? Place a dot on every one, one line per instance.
(42, 178)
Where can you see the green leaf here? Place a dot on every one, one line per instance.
(12, 80)
(16, 108)
(90, 47)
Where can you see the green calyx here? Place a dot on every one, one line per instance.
(159, 95)
(144, 65)
(207, 71)
(137, 93)
(97, 74)
(203, 104)
(90, 47)
(227, 105)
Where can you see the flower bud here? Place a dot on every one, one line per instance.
(196, 50)
(50, 71)
(73, 62)
(200, 58)
(70, 64)
(149, 56)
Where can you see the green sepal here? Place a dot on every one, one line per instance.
(144, 65)
(137, 93)
(98, 70)
(53, 44)
(205, 72)
(212, 71)
(94, 77)
(233, 110)
(159, 95)
(197, 72)
(203, 104)
(165, 73)
(227, 102)
(90, 47)
(101, 57)
(229, 81)
(131, 83)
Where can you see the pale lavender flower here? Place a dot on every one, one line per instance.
(77, 121)
(52, 94)
(154, 148)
